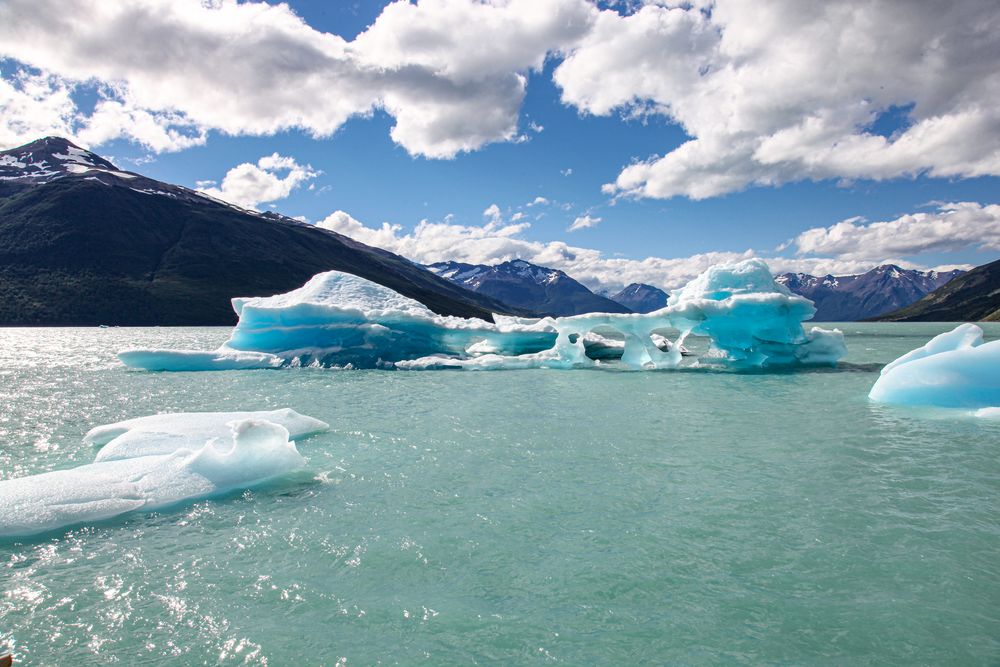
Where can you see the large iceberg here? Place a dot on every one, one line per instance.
(338, 319)
(954, 370)
(154, 462)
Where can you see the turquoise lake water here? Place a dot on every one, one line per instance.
(517, 517)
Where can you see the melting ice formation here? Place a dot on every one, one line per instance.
(153, 462)
(337, 319)
(954, 370)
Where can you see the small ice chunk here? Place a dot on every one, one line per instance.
(167, 433)
(255, 452)
(954, 370)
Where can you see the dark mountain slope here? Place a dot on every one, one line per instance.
(91, 245)
(971, 297)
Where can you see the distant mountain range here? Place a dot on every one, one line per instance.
(971, 297)
(641, 298)
(882, 290)
(83, 242)
(527, 286)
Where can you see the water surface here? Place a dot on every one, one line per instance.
(517, 517)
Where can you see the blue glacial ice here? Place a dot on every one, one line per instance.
(954, 370)
(338, 319)
(154, 462)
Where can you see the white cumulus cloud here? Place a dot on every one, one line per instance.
(450, 72)
(32, 106)
(951, 227)
(780, 91)
(768, 92)
(499, 241)
(273, 177)
(583, 222)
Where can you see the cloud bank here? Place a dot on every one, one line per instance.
(450, 73)
(768, 93)
(951, 227)
(820, 251)
(789, 90)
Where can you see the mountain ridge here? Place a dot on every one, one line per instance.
(973, 296)
(641, 297)
(521, 284)
(865, 295)
(84, 243)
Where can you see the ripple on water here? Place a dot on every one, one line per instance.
(518, 517)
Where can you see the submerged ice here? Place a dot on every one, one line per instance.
(338, 319)
(154, 462)
(954, 370)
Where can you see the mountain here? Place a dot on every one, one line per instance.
(526, 286)
(971, 297)
(881, 290)
(83, 242)
(641, 298)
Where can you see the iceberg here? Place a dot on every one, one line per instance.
(955, 369)
(338, 319)
(154, 462)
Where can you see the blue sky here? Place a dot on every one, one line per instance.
(567, 145)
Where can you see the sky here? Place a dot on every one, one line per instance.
(618, 141)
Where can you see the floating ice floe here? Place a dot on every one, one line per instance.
(154, 462)
(954, 370)
(168, 433)
(338, 319)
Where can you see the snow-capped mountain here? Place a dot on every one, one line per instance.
(83, 242)
(51, 158)
(527, 286)
(641, 298)
(973, 296)
(883, 289)
(54, 158)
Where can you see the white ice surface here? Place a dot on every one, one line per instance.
(955, 369)
(167, 433)
(154, 462)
